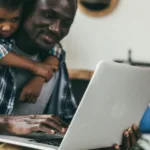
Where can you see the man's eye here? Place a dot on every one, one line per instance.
(15, 20)
(48, 15)
(67, 23)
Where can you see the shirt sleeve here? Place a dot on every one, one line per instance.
(4, 50)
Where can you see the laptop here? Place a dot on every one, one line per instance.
(116, 97)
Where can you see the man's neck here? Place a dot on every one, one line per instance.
(25, 44)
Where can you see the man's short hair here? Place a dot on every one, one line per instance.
(11, 4)
(28, 8)
(30, 5)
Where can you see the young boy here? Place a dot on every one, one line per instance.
(10, 16)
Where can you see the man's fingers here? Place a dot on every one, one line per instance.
(48, 126)
(51, 116)
(56, 119)
(137, 132)
(59, 121)
(132, 137)
(54, 125)
(42, 128)
(116, 147)
(45, 129)
(51, 121)
(126, 141)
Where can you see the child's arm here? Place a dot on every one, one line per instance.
(14, 60)
(33, 88)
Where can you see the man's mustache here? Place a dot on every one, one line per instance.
(51, 34)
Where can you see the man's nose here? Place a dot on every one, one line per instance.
(55, 27)
(6, 28)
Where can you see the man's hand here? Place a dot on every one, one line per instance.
(130, 137)
(32, 90)
(23, 125)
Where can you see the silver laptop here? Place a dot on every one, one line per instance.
(115, 98)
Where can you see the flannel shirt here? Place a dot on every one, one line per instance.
(5, 46)
(7, 92)
(8, 86)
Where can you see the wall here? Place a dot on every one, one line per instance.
(110, 37)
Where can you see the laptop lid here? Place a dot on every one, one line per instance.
(116, 97)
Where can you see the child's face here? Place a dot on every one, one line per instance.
(9, 21)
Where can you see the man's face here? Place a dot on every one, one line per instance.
(9, 21)
(50, 22)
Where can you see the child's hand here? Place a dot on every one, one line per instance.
(32, 90)
(54, 62)
(43, 70)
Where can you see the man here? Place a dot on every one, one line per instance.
(44, 26)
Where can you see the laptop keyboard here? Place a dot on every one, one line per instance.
(54, 142)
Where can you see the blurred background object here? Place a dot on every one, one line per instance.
(92, 39)
(122, 36)
(79, 81)
(130, 61)
(97, 8)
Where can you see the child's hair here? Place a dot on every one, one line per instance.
(11, 4)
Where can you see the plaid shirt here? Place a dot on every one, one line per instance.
(5, 46)
(67, 105)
